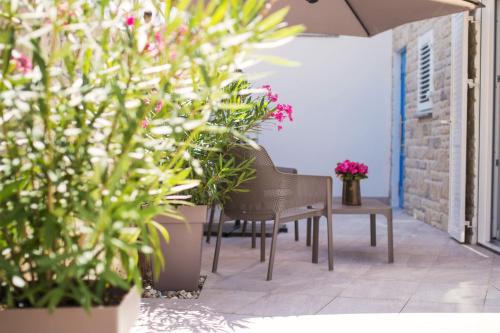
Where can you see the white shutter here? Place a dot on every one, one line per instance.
(458, 130)
(425, 74)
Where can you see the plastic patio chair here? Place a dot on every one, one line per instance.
(296, 222)
(281, 197)
(254, 223)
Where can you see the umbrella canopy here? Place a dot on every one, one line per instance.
(367, 17)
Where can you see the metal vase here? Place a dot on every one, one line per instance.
(351, 193)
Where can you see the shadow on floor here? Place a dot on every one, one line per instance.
(159, 317)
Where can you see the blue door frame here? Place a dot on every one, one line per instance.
(402, 111)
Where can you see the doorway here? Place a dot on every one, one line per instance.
(402, 114)
(488, 129)
(495, 214)
(398, 128)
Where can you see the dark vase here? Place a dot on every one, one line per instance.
(351, 193)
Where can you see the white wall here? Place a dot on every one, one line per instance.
(342, 99)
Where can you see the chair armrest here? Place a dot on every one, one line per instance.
(308, 190)
(287, 170)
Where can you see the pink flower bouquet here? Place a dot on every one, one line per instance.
(348, 170)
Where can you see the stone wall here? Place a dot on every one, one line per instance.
(428, 138)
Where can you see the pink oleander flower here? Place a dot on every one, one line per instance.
(23, 64)
(287, 108)
(270, 96)
(158, 106)
(144, 123)
(173, 54)
(130, 21)
(183, 30)
(281, 111)
(159, 43)
(158, 37)
(278, 115)
(289, 111)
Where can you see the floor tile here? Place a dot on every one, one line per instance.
(396, 272)
(464, 276)
(492, 297)
(285, 304)
(228, 301)
(400, 290)
(344, 305)
(450, 293)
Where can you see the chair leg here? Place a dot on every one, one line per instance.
(273, 250)
(262, 241)
(329, 227)
(254, 234)
(210, 223)
(217, 245)
(296, 231)
(308, 236)
(315, 240)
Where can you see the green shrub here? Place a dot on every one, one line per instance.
(84, 166)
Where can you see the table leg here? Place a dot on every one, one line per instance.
(373, 230)
(390, 241)
(254, 234)
(308, 236)
(315, 244)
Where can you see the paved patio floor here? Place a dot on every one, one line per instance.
(431, 274)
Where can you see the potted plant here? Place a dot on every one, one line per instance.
(83, 171)
(211, 163)
(351, 173)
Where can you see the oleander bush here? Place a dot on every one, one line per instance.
(98, 109)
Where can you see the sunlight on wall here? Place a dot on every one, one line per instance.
(341, 94)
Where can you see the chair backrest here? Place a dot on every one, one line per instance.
(263, 196)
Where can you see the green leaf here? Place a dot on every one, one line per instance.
(115, 280)
(162, 230)
(286, 32)
(220, 12)
(12, 187)
(273, 20)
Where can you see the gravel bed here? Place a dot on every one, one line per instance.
(150, 292)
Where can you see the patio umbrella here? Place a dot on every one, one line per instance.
(367, 17)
